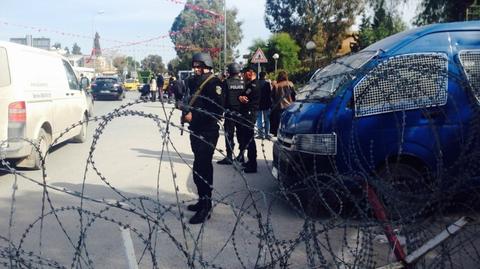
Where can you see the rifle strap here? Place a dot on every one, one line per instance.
(199, 90)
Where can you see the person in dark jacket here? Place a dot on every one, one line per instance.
(202, 113)
(160, 80)
(263, 117)
(249, 100)
(234, 87)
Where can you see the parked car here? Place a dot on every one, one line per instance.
(131, 84)
(402, 111)
(107, 88)
(40, 98)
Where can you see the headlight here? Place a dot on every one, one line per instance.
(321, 144)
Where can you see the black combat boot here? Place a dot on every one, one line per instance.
(203, 214)
(250, 167)
(226, 161)
(195, 207)
(241, 157)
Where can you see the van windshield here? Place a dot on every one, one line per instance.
(4, 69)
(325, 83)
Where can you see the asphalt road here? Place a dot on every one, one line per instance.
(135, 190)
(133, 158)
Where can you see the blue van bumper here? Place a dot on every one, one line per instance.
(295, 169)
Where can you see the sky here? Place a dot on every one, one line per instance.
(74, 21)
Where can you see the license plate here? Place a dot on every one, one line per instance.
(105, 91)
(275, 172)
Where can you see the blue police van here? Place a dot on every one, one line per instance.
(403, 110)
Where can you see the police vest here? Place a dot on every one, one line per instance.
(235, 88)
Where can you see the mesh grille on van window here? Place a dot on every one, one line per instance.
(470, 61)
(402, 83)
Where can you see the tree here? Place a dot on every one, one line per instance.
(433, 11)
(194, 31)
(153, 63)
(76, 49)
(323, 21)
(175, 65)
(132, 65)
(285, 46)
(96, 45)
(57, 45)
(384, 23)
(67, 50)
(119, 62)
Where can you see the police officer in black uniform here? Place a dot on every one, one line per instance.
(204, 110)
(234, 87)
(250, 100)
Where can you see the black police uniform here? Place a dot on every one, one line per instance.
(206, 111)
(235, 87)
(249, 114)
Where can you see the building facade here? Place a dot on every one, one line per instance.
(28, 40)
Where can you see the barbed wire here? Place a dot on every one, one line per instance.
(357, 208)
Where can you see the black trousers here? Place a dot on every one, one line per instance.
(153, 96)
(275, 116)
(247, 134)
(232, 123)
(203, 149)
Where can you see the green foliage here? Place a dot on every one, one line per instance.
(57, 45)
(384, 23)
(433, 11)
(176, 65)
(76, 49)
(153, 63)
(207, 33)
(132, 64)
(324, 22)
(67, 50)
(285, 46)
(287, 49)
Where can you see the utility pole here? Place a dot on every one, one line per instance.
(224, 36)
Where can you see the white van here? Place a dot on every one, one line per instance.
(40, 98)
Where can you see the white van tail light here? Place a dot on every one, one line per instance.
(321, 144)
(17, 117)
(17, 112)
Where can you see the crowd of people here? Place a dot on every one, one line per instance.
(157, 90)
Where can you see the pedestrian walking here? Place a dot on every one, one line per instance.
(84, 82)
(283, 94)
(159, 86)
(202, 113)
(153, 89)
(249, 100)
(263, 114)
(234, 87)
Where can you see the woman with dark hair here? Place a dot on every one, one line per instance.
(283, 94)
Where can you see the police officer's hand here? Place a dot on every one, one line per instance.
(188, 117)
(243, 99)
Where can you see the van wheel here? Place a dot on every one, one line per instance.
(43, 143)
(82, 136)
(405, 191)
(320, 198)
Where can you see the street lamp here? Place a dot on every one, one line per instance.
(275, 57)
(311, 47)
